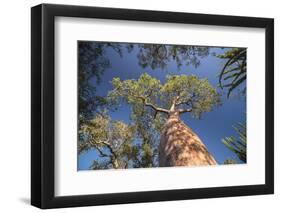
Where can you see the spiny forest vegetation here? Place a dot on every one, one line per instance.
(155, 135)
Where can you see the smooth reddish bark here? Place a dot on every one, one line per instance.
(180, 146)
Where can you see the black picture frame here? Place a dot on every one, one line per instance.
(43, 102)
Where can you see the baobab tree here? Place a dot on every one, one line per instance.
(180, 94)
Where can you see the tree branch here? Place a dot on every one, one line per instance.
(157, 109)
(111, 150)
(105, 143)
(101, 153)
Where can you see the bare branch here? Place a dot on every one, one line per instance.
(157, 109)
(111, 150)
(106, 143)
(109, 146)
(102, 154)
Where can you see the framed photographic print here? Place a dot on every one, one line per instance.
(140, 106)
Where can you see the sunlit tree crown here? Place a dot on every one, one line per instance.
(187, 93)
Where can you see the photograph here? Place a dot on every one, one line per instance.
(133, 105)
(150, 105)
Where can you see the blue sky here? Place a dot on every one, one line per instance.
(211, 128)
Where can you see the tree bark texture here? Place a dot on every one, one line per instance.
(180, 146)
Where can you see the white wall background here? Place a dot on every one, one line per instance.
(15, 105)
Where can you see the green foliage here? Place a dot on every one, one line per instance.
(148, 128)
(186, 91)
(238, 146)
(111, 139)
(92, 63)
(131, 90)
(189, 91)
(233, 73)
(114, 142)
(159, 55)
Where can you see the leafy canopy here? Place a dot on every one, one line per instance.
(112, 140)
(116, 143)
(92, 63)
(159, 55)
(186, 93)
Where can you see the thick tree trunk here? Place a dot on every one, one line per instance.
(180, 146)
